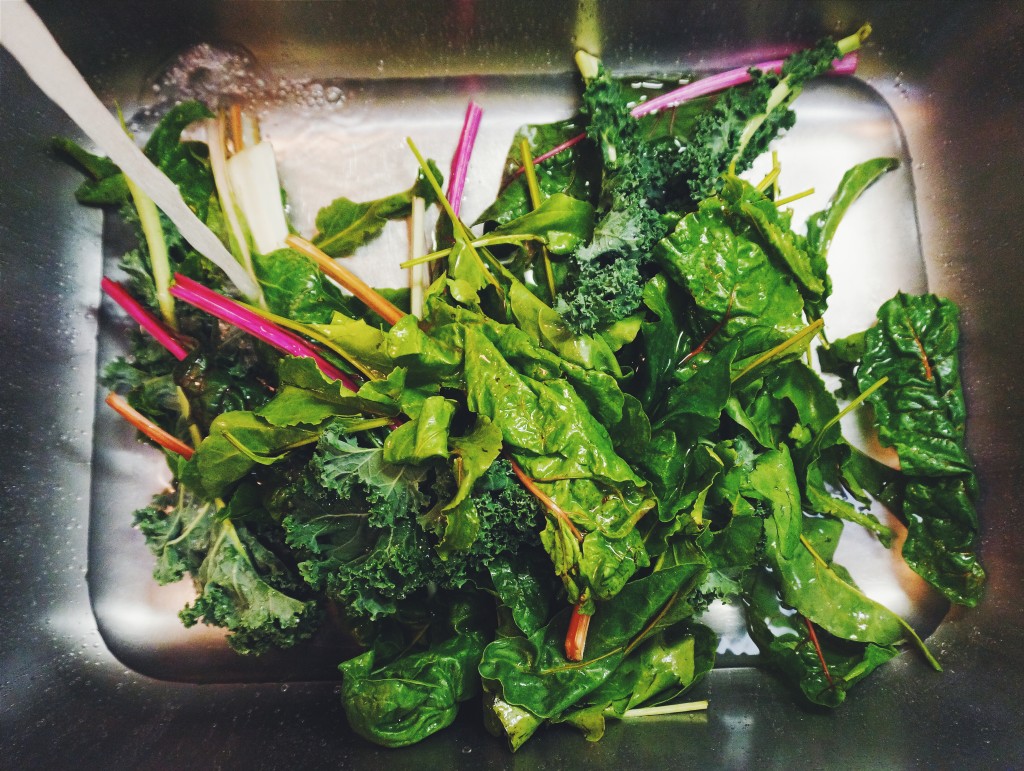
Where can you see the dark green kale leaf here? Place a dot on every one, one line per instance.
(237, 591)
(640, 184)
(186, 164)
(176, 527)
(241, 583)
(744, 120)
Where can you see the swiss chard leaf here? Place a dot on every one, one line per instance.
(344, 225)
(787, 645)
(729, 275)
(533, 672)
(921, 413)
(417, 695)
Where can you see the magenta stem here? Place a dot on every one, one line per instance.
(228, 310)
(554, 151)
(723, 80)
(160, 332)
(463, 151)
(712, 84)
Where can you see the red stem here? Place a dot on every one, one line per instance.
(160, 332)
(710, 336)
(548, 502)
(817, 649)
(576, 637)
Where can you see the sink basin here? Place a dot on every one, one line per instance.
(96, 667)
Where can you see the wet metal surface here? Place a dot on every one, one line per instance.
(84, 629)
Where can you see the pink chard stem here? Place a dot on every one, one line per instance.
(227, 310)
(712, 84)
(723, 80)
(160, 332)
(463, 151)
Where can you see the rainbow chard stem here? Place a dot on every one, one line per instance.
(463, 151)
(713, 84)
(147, 426)
(227, 310)
(160, 332)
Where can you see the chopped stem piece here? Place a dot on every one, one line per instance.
(476, 243)
(803, 336)
(794, 197)
(576, 637)
(216, 141)
(457, 226)
(147, 426)
(419, 275)
(186, 413)
(147, 320)
(854, 404)
(348, 280)
(666, 709)
(235, 115)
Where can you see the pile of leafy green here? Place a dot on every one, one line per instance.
(620, 449)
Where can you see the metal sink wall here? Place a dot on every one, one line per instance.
(952, 76)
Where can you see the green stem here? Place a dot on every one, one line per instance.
(804, 335)
(534, 187)
(475, 243)
(918, 642)
(854, 404)
(460, 230)
(159, 259)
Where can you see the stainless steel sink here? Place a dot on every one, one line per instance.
(96, 669)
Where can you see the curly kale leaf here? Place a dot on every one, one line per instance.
(245, 588)
(358, 525)
(392, 490)
(176, 528)
(241, 583)
(742, 123)
(639, 185)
